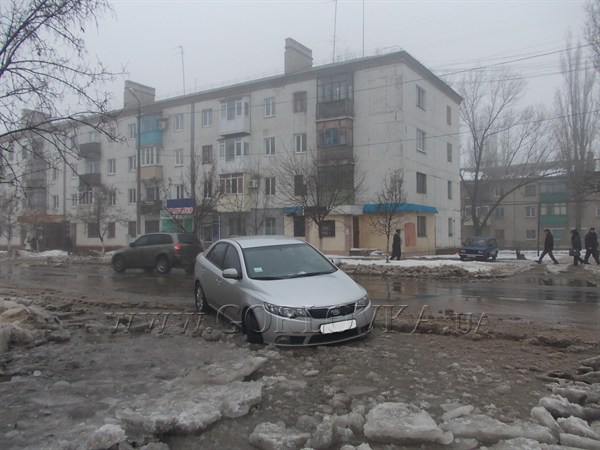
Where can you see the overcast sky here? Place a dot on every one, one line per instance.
(224, 42)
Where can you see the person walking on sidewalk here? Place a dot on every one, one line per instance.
(396, 246)
(591, 246)
(548, 247)
(575, 247)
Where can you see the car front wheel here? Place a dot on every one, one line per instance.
(162, 265)
(118, 264)
(200, 299)
(251, 328)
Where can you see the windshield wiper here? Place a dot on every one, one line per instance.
(310, 274)
(268, 278)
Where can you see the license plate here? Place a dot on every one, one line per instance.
(336, 327)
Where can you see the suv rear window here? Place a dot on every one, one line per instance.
(188, 239)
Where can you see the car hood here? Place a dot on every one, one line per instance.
(320, 290)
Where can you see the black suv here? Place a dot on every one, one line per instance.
(160, 251)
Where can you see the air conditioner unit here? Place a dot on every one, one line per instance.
(253, 184)
(162, 124)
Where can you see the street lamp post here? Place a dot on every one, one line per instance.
(138, 200)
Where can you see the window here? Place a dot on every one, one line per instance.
(334, 88)
(111, 166)
(55, 201)
(554, 209)
(420, 140)
(132, 163)
(299, 186)
(132, 228)
(328, 228)
(207, 189)
(300, 101)
(270, 186)
(152, 226)
(598, 211)
(207, 154)
(178, 157)
(530, 211)
(334, 136)
(420, 97)
(150, 156)
(74, 199)
(300, 143)
(530, 234)
(270, 107)
(498, 191)
(450, 227)
(553, 187)
(449, 190)
(232, 183)
(421, 183)
(270, 226)
(132, 127)
(179, 191)
(152, 194)
(270, 146)
(299, 226)
(233, 148)
(86, 197)
(235, 226)
(110, 230)
(449, 152)
(54, 172)
(92, 166)
(112, 197)
(448, 115)
(499, 213)
(530, 190)
(131, 195)
(93, 230)
(421, 226)
(178, 122)
(230, 109)
(74, 171)
(207, 117)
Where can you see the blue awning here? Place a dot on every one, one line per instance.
(370, 208)
(293, 210)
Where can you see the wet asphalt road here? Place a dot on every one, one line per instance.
(531, 298)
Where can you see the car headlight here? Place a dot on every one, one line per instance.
(285, 311)
(363, 302)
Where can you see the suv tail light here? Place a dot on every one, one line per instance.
(177, 247)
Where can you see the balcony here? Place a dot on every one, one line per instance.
(90, 150)
(337, 108)
(150, 173)
(88, 180)
(238, 126)
(151, 208)
(336, 154)
(151, 137)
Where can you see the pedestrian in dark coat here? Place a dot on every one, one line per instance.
(548, 247)
(576, 247)
(396, 246)
(591, 246)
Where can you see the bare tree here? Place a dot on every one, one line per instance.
(592, 30)
(9, 208)
(577, 130)
(97, 210)
(48, 87)
(502, 142)
(316, 187)
(387, 215)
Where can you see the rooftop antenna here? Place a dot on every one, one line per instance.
(180, 48)
(334, 28)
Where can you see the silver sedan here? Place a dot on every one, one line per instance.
(281, 290)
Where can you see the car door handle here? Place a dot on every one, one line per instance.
(219, 281)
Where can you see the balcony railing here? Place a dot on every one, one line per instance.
(151, 173)
(338, 108)
(89, 179)
(337, 153)
(90, 150)
(151, 208)
(239, 126)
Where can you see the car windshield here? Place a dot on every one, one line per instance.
(277, 262)
(477, 242)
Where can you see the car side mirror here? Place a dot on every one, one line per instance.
(231, 273)
(336, 261)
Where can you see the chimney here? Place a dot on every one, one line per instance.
(297, 56)
(145, 94)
